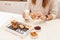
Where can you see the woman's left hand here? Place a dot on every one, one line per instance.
(50, 17)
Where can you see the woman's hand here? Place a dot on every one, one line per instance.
(50, 17)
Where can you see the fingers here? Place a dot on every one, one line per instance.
(50, 17)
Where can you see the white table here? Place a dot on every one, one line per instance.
(50, 29)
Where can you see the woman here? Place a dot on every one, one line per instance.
(45, 9)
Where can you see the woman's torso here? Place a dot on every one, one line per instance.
(38, 7)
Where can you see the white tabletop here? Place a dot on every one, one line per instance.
(50, 30)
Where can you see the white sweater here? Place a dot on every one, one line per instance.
(51, 7)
